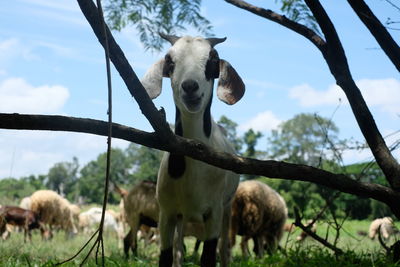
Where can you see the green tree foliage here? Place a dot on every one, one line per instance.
(62, 177)
(298, 11)
(91, 181)
(361, 208)
(303, 140)
(229, 127)
(153, 16)
(145, 161)
(13, 190)
(250, 139)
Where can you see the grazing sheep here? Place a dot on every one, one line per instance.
(54, 211)
(260, 213)
(141, 207)
(387, 227)
(89, 221)
(303, 235)
(76, 210)
(17, 216)
(188, 190)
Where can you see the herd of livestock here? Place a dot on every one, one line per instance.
(258, 213)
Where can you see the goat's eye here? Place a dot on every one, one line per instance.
(212, 66)
(168, 66)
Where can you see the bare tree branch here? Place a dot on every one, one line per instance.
(333, 52)
(307, 229)
(282, 20)
(337, 62)
(199, 151)
(156, 119)
(382, 36)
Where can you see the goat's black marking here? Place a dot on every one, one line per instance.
(147, 221)
(207, 215)
(169, 66)
(212, 65)
(209, 255)
(176, 163)
(178, 122)
(207, 118)
(166, 258)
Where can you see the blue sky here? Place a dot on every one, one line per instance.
(51, 63)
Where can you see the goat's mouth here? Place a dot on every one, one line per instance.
(192, 102)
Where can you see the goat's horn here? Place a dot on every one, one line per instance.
(170, 38)
(214, 41)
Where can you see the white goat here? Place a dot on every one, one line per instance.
(190, 191)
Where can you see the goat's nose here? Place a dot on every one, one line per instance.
(190, 86)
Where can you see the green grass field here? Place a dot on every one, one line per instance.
(359, 251)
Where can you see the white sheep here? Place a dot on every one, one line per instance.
(188, 190)
(140, 207)
(89, 221)
(25, 203)
(260, 213)
(386, 226)
(54, 211)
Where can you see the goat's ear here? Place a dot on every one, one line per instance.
(152, 80)
(230, 86)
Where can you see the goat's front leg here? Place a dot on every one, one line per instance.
(178, 243)
(225, 246)
(167, 225)
(213, 229)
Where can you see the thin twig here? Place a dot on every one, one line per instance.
(80, 250)
(307, 229)
(99, 243)
(381, 240)
(100, 240)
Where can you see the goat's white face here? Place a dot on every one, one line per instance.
(192, 64)
(187, 63)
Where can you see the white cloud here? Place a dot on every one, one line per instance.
(262, 122)
(260, 84)
(19, 96)
(34, 152)
(11, 48)
(383, 93)
(60, 50)
(357, 156)
(310, 97)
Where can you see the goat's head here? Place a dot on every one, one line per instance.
(192, 64)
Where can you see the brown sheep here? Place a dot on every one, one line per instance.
(260, 213)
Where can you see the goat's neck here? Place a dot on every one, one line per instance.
(194, 126)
